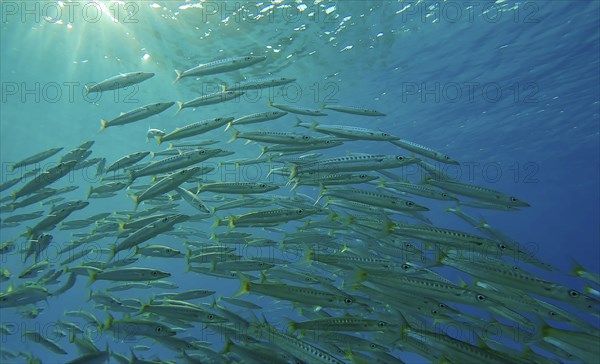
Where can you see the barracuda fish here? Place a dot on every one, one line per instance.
(139, 113)
(270, 216)
(370, 162)
(50, 176)
(477, 192)
(279, 137)
(256, 84)
(316, 144)
(258, 117)
(106, 188)
(193, 200)
(128, 274)
(173, 163)
(348, 132)
(348, 323)
(297, 110)
(36, 158)
(120, 81)
(373, 198)
(197, 128)
(220, 66)
(299, 294)
(237, 187)
(418, 190)
(424, 151)
(209, 99)
(36, 337)
(353, 110)
(149, 231)
(23, 295)
(165, 185)
(126, 161)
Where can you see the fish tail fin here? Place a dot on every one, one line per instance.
(229, 124)
(382, 183)
(294, 171)
(136, 201)
(298, 121)
(270, 103)
(216, 224)
(14, 194)
(11, 168)
(309, 257)
(104, 125)
(159, 139)
(87, 89)
(321, 194)
(314, 125)
(234, 136)
(179, 75)
(223, 87)
(244, 288)
(296, 184)
(180, 105)
(89, 296)
(232, 222)
(358, 276)
(293, 326)
(92, 278)
(577, 268)
(263, 150)
(90, 191)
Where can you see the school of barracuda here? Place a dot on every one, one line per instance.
(369, 286)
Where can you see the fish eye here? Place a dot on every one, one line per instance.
(248, 58)
(480, 298)
(202, 151)
(373, 346)
(363, 176)
(434, 312)
(211, 316)
(513, 199)
(165, 219)
(158, 329)
(262, 185)
(381, 324)
(444, 194)
(400, 158)
(551, 313)
(410, 203)
(305, 137)
(405, 266)
(384, 134)
(348, 300)
(299, 211)
(441, 305)
(168, 250)
(502, 246)
(154, 273)
(573, 293)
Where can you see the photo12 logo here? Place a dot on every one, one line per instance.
(70, 12)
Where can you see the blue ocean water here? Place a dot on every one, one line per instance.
(510, 89)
